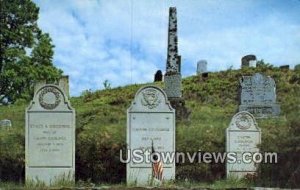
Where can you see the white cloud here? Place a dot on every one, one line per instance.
(125, 41)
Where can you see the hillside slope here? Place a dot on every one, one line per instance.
(101, 129)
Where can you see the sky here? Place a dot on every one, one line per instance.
(125, 41)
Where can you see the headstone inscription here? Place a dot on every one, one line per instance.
(242, 137)
(150, 126)
(50, 136)
(258, 96)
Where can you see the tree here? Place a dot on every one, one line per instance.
(20, 35)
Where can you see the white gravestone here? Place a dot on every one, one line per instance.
(50, 136)
(150, 122)
(242, 136)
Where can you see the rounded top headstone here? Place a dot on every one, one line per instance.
(243, 121)
(151, 99)
(201, 66)
(50, 97)
(249, 61)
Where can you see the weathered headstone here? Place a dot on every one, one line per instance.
(172, 77)
(4, 100)
(297, 67)
(150, 124)
(201, 67)
(158, 76)
(5, 123)
(242, 137)
(284, 67)
(50, 136)
(249, 61)
(258, 96)
(64, 83)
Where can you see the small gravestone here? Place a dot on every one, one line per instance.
(284, 67)
(249, 61)
(5, 123)
(50, 136)
(258, 96)
(158, 76)
(64, 83)
(297, 67)
(201, 67)
(4, 100)
(242, 137)
(150, 126)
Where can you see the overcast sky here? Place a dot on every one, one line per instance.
(125, 41)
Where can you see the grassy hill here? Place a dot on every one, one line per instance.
(101, 130)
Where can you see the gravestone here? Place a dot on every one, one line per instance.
(172, 77)
(258, 96)
(4, 100)
(150, 124)
(248, 61)
(297, 67)
(284, 67)
(50, 136)
(201, 67)
(158, 76)
(242, 137)
(64, 83)
(5, 123)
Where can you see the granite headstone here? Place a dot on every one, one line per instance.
(150, 124)
(50, 136)
(242, 136)
(201, 67)
(258, 96)
(249, 61)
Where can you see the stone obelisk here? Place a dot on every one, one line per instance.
(172, 78)
(173, 75)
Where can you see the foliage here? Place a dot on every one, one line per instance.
(101, 131)
(20, 35)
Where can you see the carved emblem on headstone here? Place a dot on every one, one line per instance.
(49, 98)
(150, 98)
(243, 121)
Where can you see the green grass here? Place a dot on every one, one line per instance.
(101, 129)
(219, 184)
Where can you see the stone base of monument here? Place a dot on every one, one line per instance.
(261, 111)
(182, 112)
(173, 85)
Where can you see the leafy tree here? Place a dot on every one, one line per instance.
(26, 53)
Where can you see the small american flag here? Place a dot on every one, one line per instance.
(157, 167)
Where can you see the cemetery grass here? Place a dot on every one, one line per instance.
(101, 131)
(218, 184)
